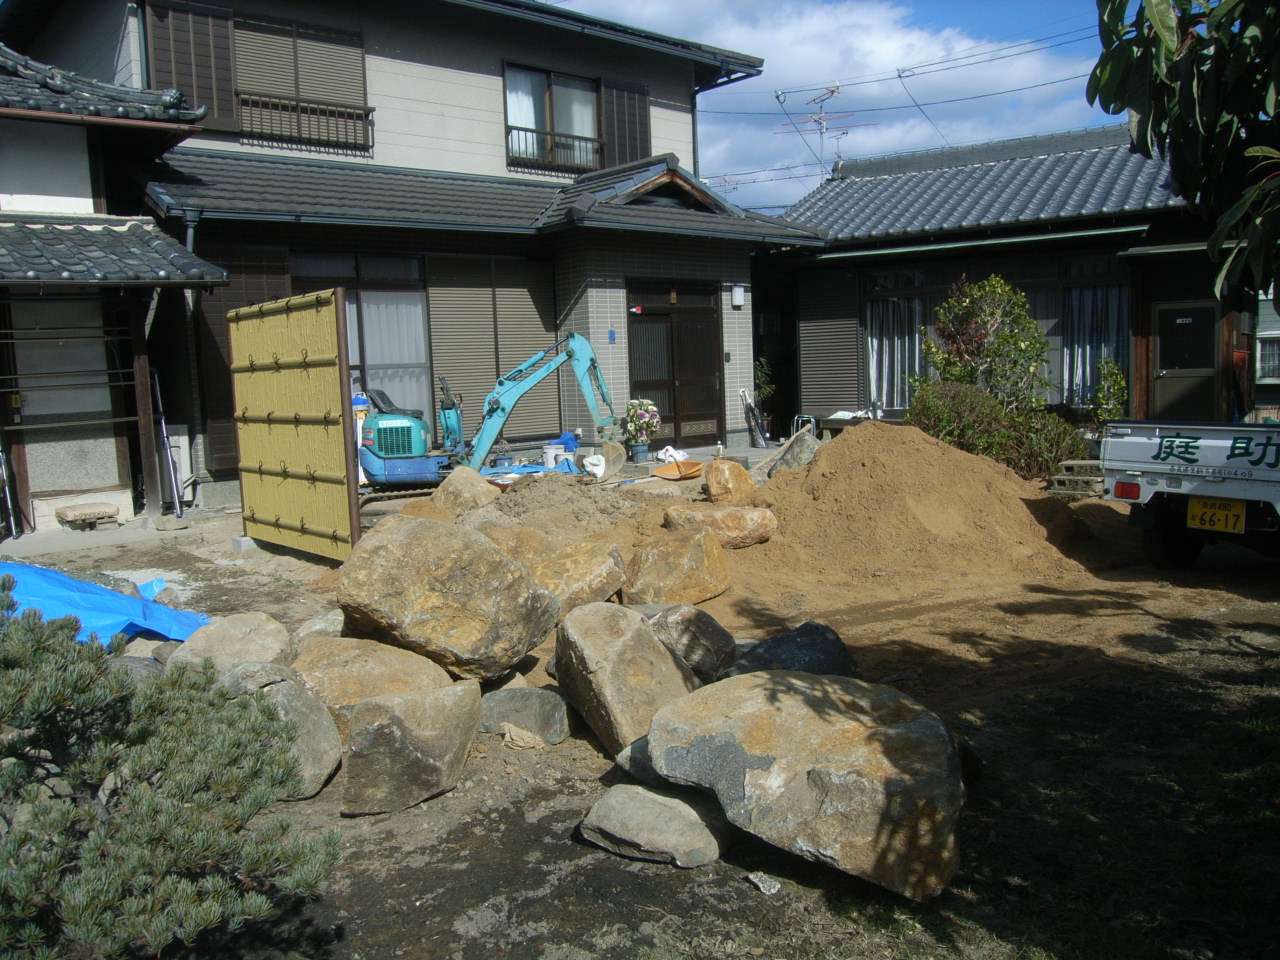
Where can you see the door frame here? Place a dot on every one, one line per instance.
(672, 310)
(1211, 369)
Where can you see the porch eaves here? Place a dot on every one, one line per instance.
(61, 250)
(218, 185)
(1031, 182)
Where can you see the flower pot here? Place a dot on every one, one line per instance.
(638, 452)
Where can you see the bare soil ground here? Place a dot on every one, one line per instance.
(1123, 731)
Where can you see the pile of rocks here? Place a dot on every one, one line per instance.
(782, 740)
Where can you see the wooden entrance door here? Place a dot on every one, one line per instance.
(674, 340)
(1185, 359)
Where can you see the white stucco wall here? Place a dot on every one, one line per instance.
(44, 167)
(438, 96)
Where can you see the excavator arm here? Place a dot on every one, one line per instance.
(509, 389)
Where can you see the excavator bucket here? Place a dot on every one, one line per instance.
(615, 455)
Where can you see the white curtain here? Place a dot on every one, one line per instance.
(574, 108)
(527, 108)
(893, 336)
(1095, 328)
(394, 325)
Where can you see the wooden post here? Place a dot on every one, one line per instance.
(151, 490)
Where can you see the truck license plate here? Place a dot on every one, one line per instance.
(1220, 516)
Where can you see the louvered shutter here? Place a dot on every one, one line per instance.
(832, 346)
(189, 47)
(625, 122)
(463, 345)
(526, 324)
(330, 68)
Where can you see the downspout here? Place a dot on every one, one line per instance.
(199, 462)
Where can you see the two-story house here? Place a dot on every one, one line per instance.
(78, 287)
(481, 176)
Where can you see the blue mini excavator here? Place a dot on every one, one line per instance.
(396, 449)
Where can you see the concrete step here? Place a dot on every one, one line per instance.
(1075, 486)
(1081, 468)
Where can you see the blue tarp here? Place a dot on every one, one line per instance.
(101, 611)
(564, 466)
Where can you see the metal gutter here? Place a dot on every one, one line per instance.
(988, 242)
(726, 60)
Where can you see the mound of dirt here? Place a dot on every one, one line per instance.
(882, 499)
(559, 505)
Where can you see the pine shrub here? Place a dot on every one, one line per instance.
(128, 806)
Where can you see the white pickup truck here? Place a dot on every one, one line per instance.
(1189, 483)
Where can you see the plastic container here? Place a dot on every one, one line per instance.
(549, 454)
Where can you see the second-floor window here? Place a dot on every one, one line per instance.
(265, 79)
(552, 120)
(300, 83)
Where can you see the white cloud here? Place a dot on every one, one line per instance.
(810, 44)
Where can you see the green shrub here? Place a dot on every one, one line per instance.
(1030, 442)
(125, 805)
(961, 414)
(1111, 396)
(986, 336)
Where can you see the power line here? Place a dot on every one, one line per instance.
(912, 106)
(908, 92)
(941, 65)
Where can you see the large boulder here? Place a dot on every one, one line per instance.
(797, 452)
(406, 748)
(615, 672)
(578, 573)
(574, 573)
(317, 747)
(664, 825)
(464, 490)
(851, 774)
(540, 711)
(445, 592)
(811, 647)
(688, 566)
(735, 526)
(727, 480)
(426, 508)
(696, 637)
(342, 671)
(238, 638)
(328, 624)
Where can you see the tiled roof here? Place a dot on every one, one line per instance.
(27, 84)
(241, 186)
(1030, 180)
(625, 198)
(97, 250)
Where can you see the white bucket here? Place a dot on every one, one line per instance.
(561, 457)
(549, 454)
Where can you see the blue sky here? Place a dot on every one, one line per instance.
(914, 74)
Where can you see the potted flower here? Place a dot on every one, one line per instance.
(639, 424)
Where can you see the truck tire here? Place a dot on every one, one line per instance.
(1168, 545)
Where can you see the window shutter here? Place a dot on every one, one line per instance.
(463, 343)
(625, 122)
(265, 60)
(330, 69)
(189, 47)
(525, 298)
(831, 341)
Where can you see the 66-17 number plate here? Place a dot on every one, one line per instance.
(1219, 516)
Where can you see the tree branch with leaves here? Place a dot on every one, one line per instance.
(1201, 82)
